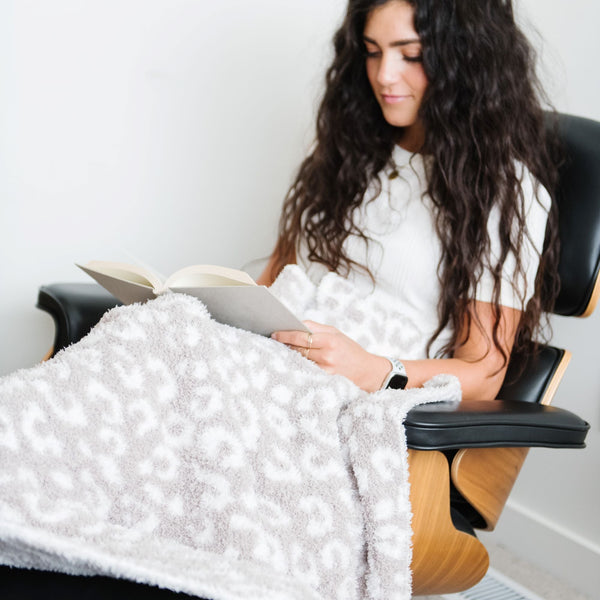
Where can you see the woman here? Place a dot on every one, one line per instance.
(445, 90)
(219, 462)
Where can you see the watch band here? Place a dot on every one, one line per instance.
(396, 378)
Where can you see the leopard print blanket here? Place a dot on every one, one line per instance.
(169, 449)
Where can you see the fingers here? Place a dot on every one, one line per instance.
(303, 339)
(317, 346)
(298, 339)
(319, 327)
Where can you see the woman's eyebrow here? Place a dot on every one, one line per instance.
(394, 44)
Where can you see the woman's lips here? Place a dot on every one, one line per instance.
(392, 99)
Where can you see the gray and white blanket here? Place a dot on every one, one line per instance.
(170, 449)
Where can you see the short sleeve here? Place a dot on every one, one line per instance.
(537, 203)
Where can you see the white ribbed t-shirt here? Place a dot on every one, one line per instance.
(404, 251)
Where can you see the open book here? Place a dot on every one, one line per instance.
(231, 296)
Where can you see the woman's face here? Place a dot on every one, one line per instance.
(395, 67)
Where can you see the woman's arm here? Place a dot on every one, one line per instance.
(478, 364)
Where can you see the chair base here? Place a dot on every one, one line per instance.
(445, 560)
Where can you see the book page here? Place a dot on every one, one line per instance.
(126, 272)
(124, 290)
(208, 276)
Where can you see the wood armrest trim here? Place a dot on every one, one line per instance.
(593, 301)
(557, 376)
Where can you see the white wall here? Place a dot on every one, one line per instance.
(169, 130)
(166, 130)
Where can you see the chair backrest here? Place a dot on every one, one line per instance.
(579, 216)
(535, 378)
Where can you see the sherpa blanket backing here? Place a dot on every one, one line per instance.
(170, 449)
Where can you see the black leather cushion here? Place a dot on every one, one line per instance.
(75, 308)
(489, 424)
(579, 214)
(25, 584)
(528, 374)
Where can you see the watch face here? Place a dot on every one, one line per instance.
(398, 382)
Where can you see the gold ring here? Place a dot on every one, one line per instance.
(309, 340)
(306, 351)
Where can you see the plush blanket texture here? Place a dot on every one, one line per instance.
(170, 449)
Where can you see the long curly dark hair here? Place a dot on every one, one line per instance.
(481, 114)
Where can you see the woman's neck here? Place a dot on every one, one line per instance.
(412, 138)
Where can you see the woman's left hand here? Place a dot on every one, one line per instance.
(336, 353)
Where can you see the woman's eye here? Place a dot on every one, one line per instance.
(372, 53)
(416, 58)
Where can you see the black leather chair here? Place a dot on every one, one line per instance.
(464, 458)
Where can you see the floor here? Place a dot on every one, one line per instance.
(540, 582)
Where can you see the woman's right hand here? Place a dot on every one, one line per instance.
(337, 354)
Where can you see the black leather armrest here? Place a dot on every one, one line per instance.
(75, 308)
(493, 424)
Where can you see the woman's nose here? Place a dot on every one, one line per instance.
(389, 70)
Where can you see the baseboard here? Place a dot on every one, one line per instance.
(567, 556)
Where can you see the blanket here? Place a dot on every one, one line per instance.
(170, 449)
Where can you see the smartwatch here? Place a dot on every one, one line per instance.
(396, 378)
